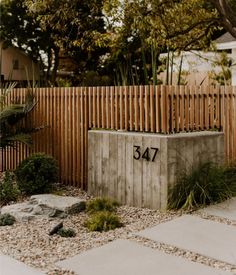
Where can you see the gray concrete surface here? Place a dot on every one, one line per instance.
(123, 257)
(225, 209)
(10, 266)
(137, 169)
(208, 238)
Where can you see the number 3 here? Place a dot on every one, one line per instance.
(137, 153)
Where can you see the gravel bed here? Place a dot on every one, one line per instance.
(31, 244)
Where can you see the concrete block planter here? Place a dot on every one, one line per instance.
(138, 169)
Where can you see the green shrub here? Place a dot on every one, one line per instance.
(103, 221)
(66, 232)
(204, 185)
(8, 189)
(36, 174)
(101, 204)
(6, 219)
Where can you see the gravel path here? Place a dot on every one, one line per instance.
(30, 242)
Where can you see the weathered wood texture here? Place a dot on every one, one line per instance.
(117, 170)
(70, 112)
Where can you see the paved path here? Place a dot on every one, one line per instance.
(209, 238)
(10, 266)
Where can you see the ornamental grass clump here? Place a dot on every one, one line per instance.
(101, 204)
(36, 174)
(206, 184)
(8, 189)
(66, 232)
(6, 219)
(102, 215)
(103, 221)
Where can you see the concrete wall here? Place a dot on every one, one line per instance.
(114, 172)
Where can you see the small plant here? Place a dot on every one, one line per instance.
(101, 204)
(8, 189)
(36, 174)
(204, 185)
(66, 232)
(103, 221)
(6, 219)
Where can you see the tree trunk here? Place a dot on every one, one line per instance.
(227, 11)
(55, 66)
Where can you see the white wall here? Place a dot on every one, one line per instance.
(234, 67)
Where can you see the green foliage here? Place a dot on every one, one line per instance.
(6, 219)
(8, 189)
(12, 118)
(204, 185)
(66, 232)
(147, 28)
(101, 204)
(36, 174)
(222, 77)
(103, 221)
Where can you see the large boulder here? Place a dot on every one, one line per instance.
(45, 205)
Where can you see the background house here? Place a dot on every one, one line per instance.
(17, 66)
(204, 68)
(228, 42)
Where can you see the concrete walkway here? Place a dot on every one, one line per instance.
(10, 266)
(209, 238)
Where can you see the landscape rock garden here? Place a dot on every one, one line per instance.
(43, 228)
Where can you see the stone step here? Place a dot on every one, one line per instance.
(208, 238)
(10, 266)
(226, 209)
(123, 257)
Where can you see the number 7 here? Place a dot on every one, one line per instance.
(154, 156)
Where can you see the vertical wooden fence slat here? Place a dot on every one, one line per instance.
(78, 132)
(141, 88)
(177, 105)
(112, 109)
(187, 115)
(90, 111)
(158, 109)
(117, 107)
(121, 107)
(126, 108)
(152, 109)
(108, 113)
(147, 108)
(191, 98)
(181, 109)
(86, 123)
(196, 108)
(136, 108)
(131, 108)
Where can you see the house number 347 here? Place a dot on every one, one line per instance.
(149, 153)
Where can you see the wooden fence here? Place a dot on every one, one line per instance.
(70, 112)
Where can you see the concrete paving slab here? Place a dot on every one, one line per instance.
(123, 257)
(10, 266)
(212, 239)
(226, 209)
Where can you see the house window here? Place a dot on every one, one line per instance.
(15, 64)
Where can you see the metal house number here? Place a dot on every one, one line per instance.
(149, 153)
